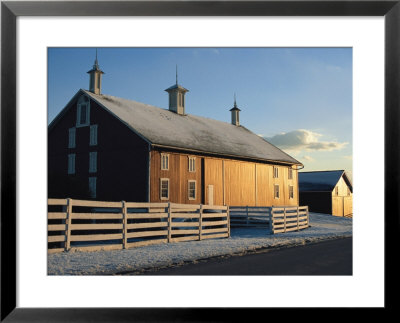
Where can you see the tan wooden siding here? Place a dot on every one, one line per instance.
(213, 175)
(178, 175)
(342, 188)
(342, 199)
(264, 185)
(234, 182)
(239, 183)
(342, 206)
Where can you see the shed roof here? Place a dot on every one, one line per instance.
(162, 127)
(323, 181)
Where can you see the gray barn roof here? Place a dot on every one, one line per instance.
(165, 128)
(323, 181)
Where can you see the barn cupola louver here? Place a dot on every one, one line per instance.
(95, 77)
(235, 113)
(177, 97)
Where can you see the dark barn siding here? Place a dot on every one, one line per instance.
(319, 202)
(122, 159)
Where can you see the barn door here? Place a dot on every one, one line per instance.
(210, 194)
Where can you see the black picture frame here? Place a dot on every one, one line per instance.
(10, 10)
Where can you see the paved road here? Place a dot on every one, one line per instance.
(333, 257)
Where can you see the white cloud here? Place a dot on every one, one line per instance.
(308, 158)
(303, 139)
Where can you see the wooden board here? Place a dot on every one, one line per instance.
(56, 227)
(146, 234)
(96, 216)
(147, 225)
(96, 237)
(56, 215)
(147, 215)
(186, 231)
(105, 226)
(96, 203)
(56, 238)
(57, 202)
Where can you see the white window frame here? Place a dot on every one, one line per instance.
(164, 161)
(161, 195)
(72, 137)
(93, 135)
(192, 164)
(276, 172)
(195, 189)
(83, 101)
(71, 164)
(93, 162)
(290, 173)
(276, 190)
(93, 187)
(291, 192)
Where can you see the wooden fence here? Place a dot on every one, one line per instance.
(289, 218)
(277, 218)
(79, 225)
(250, 216)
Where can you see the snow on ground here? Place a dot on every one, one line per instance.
(242, 240)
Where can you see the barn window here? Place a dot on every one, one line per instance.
(276, 191)
(71, 137)
(82, 117)
(337, 190)
(71, 164)
(276, 172)
(192, 190)
(290, 174)
(192, 164)
(93, 135)
(93, 162)
(291, 192)
(164, 189)
(93, 186)
(164, 161)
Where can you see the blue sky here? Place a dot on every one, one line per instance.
(299, 99)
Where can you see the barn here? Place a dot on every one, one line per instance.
(329, 192)
(107, 148)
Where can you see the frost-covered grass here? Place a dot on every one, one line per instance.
(242, 240)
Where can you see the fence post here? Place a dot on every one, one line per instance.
(308, 217)
(124, 225)
(169, 222)
(284, 219)
(247, 215)
(298, 218)
(68, 222)
(200, 220)
(229, 221)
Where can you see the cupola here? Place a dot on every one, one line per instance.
(235, 113)
(177, 97)
(95, 77)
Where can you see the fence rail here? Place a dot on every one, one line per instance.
(79, 225)
(277, 218)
